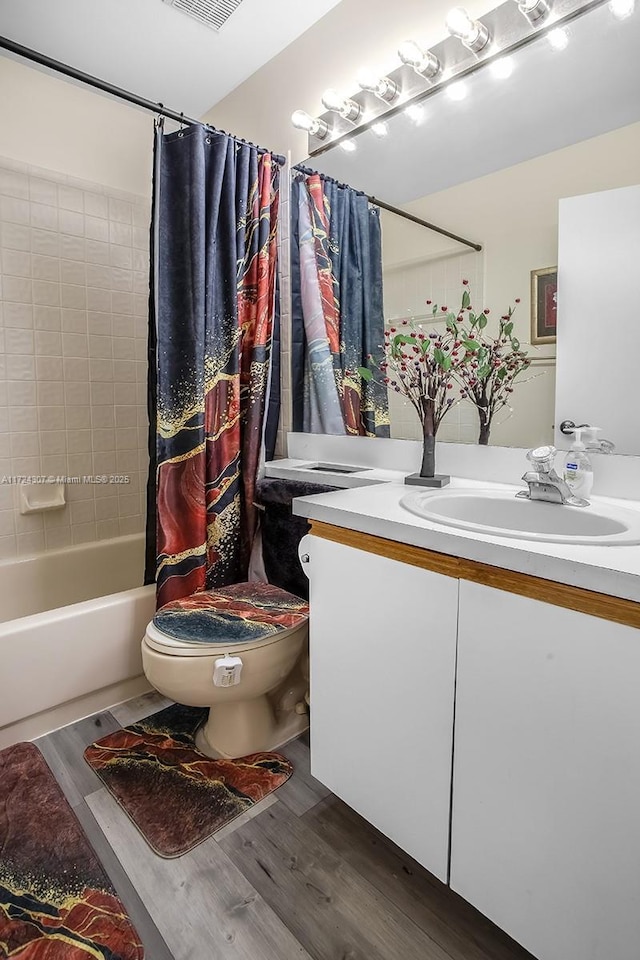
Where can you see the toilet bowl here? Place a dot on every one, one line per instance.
(241, 651)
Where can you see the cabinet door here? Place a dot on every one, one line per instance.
(382, 649)
(546, 789)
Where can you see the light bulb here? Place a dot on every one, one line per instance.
(349, 146)
(457, 91)
(303, 121)
(347, 108)
(422, 61)
(502, 68)
(621, 9)
(383, 87)
(415, 112)
(472, 33)
(534, 10)
(558, 39)
(380, 130)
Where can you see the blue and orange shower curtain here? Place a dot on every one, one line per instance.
(338, 320)
(214, 297)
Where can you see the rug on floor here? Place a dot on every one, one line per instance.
(55, 899)
(176, 796)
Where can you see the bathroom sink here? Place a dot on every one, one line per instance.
(500, 514)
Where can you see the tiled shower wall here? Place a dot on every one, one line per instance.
(74, 260)
(406, 288)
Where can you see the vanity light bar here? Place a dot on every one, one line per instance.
(424, 73)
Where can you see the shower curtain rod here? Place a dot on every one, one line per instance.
(159, 108)
(396, 210)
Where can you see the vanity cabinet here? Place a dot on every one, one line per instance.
(545, 784)
(546, 787)
(382, 666)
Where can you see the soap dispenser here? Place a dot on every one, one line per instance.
(578, 469)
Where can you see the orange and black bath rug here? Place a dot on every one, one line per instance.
(176, 796)
(55, 899)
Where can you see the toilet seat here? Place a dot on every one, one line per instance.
(244, 616)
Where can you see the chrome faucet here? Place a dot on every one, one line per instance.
(543, 481)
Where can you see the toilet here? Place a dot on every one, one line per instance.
(241, 651)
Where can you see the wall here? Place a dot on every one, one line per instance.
(73, 303)
(74, 222)
(55, 124)
(514, 214)
(598, 277)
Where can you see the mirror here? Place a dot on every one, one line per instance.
(493, 168)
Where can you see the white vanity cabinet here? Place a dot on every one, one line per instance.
(546, 788)
(382, 651)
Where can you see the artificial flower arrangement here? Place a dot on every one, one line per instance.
(428, 367)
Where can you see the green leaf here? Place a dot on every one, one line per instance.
(515, 344)
(446, 362)
(482, 321)
(471, 345)
(473, 319)
(502, 373)
(508, 328)
(438, 355)
(452, 325)
(466, 300)
(365, 373)
(484, 371)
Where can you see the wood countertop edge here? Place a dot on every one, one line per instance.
(602, 605)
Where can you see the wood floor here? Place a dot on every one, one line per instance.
(300, 876)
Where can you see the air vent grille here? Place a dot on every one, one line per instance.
(213, 13)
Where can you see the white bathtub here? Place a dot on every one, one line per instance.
(71, 622)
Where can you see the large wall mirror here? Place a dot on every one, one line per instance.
(494, 167)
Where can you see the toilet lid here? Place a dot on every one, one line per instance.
(242, 614)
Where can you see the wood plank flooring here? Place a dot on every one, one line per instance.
(298, 877)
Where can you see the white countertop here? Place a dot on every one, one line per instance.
(375, 509)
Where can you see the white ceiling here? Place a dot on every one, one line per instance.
(553, 99)
(156, 51)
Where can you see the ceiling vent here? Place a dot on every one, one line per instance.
(213, 13)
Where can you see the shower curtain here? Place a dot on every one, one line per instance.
(214, 278)
(338, 322)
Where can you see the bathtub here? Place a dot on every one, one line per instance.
(71, 622)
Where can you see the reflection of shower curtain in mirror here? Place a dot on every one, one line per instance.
(215, 258)
(338, 323)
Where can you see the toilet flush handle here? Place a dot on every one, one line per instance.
(304, 558)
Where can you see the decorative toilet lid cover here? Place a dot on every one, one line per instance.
(236, 614)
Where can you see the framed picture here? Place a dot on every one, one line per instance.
(544, 307)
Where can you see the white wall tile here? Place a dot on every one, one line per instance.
(43, 191)
(15, 236)
(96, 229)
(44, 217)
(17, 314)
(46, 293)
(73, 271)
(73, 248)
(16, 263)
(45, 268)
(45, 242)
(96, 205)
(98, 252)
(71, 223)
(14, 210)
(17, 290)
(69, 198)
(14, 184)
(121, 257)
(73, 319)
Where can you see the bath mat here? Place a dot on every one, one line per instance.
(176, 796)
(56, 902)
